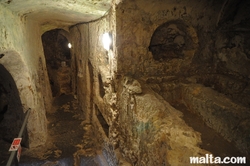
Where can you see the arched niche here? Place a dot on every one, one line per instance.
(18, 76)
(15, 65)
(172, 39)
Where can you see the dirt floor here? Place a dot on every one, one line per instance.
(69, 138)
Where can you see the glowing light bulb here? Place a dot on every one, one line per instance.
(69, 45)
(106, 41)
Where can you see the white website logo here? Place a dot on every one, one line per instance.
(209, 159)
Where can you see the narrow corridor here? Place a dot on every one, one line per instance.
(70, 140)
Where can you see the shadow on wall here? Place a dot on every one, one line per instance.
(58, 60)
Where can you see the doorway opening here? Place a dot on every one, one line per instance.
(58, 61)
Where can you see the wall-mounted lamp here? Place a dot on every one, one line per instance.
(107, 41)
(69, 45)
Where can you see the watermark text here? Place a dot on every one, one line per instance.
(210, 159)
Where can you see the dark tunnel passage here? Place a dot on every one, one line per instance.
(11, 111)
(58, 61)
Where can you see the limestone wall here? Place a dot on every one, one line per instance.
(197, 39)
(166, 43)
(137, 22)
(163, 44)
(152, 132)
(95, 69)
(23, 58)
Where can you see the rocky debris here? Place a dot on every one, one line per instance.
(132, 85)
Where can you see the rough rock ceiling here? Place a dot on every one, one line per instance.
(58, 13)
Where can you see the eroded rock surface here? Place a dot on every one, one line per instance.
(153, 132)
